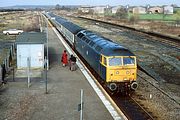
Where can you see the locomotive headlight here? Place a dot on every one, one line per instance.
(117, 72)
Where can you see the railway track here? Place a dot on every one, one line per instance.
(127, 104)
(170, 97)
(165, 39)
(146, 66)
(130, 108)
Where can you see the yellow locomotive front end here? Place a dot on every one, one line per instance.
(121, 72)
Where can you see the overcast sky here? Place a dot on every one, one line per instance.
(88, 2)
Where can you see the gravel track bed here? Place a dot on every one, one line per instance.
(160, 59)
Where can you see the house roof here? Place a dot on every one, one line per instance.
(31, 38)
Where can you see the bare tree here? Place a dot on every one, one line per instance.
(134, 18)
(122, 13)
(91, 11)
(57, 7)
(177, 16)
(80, 12)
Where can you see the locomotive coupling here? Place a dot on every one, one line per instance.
(134, 85)
(112, 86)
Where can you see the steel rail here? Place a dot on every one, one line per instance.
(169, 40)
(115, 103)
(160, 89)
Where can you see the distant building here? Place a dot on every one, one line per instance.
(155, 9)
(108, 10)
(102, 9)
(139, 10)
(30, 50)
(168, 9)
(85, 9)
(99, 9)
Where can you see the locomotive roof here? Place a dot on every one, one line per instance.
(106, 46)
(116, 50)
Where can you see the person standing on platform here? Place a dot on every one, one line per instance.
(72, 63)
(64, 58)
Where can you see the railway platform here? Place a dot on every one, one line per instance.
(63, 98)
(64, 87)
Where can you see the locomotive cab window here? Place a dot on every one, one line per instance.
(128, 61)
(115, 61)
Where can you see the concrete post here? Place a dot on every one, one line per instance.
(45, 63)
(81, 110)
(0, 73)
(28, 73)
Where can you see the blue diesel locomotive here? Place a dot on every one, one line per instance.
(115, 64)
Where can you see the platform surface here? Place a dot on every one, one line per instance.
(61, 102)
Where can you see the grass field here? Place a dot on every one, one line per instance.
(155, 17)
(27, 21)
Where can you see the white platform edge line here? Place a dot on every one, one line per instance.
(107, 104)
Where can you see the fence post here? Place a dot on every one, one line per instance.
(28, 65)
(45, 63)
(13, 75)
(81, 109)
